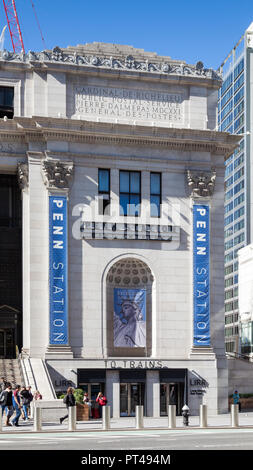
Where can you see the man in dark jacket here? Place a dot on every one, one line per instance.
(69, 400)
(25, 400)
(6, 402)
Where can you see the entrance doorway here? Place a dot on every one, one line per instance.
(171, 394)
(7, 343)
(131, 395)
(93, 390)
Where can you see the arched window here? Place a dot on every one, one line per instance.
(129, 308)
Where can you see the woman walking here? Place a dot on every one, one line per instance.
(69, 400)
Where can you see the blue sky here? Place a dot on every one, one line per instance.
(186, 30)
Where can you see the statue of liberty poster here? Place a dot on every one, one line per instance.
(129, 318)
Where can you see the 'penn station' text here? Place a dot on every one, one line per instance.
(123, 103)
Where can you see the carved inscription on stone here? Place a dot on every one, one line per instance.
(125, 104)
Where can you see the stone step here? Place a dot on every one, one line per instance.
(9, 369)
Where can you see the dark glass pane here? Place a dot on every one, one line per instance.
(103, 181)
(124, 201)
(134, 182)
(134, 208)
(155, 183)
(9, 95)
(1, 96)
(6, 96)
(155, 206)
(4, 202)
(124, 182)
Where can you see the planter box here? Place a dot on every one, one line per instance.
(82, 412)
(246, 403)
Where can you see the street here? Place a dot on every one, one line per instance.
(142, 440)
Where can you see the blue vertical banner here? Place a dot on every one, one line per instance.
(201, 276)
(58, 270)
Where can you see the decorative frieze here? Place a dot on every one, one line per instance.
(152, 65)
(23, 175)
(201, 183)
(57, 174)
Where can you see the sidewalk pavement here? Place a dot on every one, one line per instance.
(218, 421)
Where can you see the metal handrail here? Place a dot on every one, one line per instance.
(49, 378)
(238, 356)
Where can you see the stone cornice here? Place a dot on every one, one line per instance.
(39, 129)
(98, 60)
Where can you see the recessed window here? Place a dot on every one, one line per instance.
(104, 192)
(130, 192)
(9, 201)
(155, 194)
(6, 102)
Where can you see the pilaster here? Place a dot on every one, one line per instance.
(200, 188)
(57, 176)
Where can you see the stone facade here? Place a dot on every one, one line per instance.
(95, 107)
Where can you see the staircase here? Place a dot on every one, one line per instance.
(10, 369)
(36, 375)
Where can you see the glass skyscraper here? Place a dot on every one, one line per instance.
(235, 113)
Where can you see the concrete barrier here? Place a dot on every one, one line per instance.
(72, 418)
(203, 416)
(172, 416)
(235, 416)
(52, 410)
(37, 424)
(106, 414)
(139, 417)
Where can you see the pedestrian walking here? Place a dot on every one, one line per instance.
(25, 401)
(3, 384)
(37, 395)
(236, 399)
(102, 401)
(6, 402)
(2, 388)
(69, 400)
(16, 402)
(29, 389)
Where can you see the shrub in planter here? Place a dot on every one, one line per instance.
(79, 394)
(82, 410)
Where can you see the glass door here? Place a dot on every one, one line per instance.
(131, 395)
(163, 399)
(170, 395)
(135, 395)
(124, 405)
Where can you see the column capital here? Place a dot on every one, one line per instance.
(57, 174)
(200, 183)
(23, 175)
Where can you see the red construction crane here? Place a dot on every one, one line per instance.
(14, 27)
